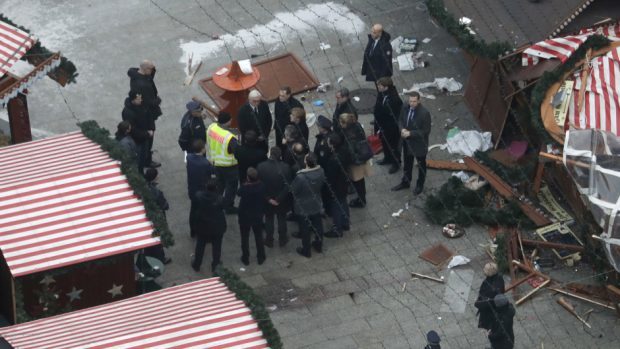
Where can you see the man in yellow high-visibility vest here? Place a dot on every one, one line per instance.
(221, 147)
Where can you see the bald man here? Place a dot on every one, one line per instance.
(141, 82)
(255, 115)
(378, 54)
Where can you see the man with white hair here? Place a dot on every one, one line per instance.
(378, 54)
(141, 81)
(255, 115)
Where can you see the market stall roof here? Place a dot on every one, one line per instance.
(14, 43)
(64, 201)
(516, 22)
(201, 314)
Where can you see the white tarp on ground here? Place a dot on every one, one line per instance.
(468, 142)
(592, 158)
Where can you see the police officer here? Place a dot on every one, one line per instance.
(222, 144)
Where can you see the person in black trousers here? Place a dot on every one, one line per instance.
(282, 111)
(387, 111)
(277, 176)
(211, 225)
(249, 154)
(491, 286)
(199, 170)
(337, 183)
(378, 54)
(251, 212)
(298, 119)
(255, 115)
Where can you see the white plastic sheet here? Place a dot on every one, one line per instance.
(468, 142)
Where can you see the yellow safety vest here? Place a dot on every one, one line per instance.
(218, 140)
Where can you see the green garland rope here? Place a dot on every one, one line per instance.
(101, 136)
(246, 294)
(465, 39)
(39, 53)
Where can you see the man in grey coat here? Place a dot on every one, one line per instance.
(415, 127)
(306, 189)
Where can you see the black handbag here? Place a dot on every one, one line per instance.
(363, 152)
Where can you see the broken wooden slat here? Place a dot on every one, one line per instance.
(506, 191)
(554, 245)
(532, 292)
(446, 165)
(519, 282)
(585, 299)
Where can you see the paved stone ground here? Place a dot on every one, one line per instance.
(352, 295)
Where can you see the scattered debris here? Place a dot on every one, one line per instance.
(397, 213)
(444, 84)
(467, 23)
(437, 254)
(560, 233)
(468, 142)
(426, 40)
(569, 307)
(271, 308)
(293, 299)
(422, 276)
(458, 260)
(318, 103)
(323, 46)
(409, 61)
(396, 44)
(323, 87)
(356, 98)
(404, 286)
(340, 79)
(242, 269)
(607, 305)
(453, 231)
(192, 74)
(446, 165)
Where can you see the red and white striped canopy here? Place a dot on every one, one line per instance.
(601, 106)
(201, 314)
(64, 201)
(14, 43)
(563, 48)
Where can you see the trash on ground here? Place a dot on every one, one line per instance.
(318, 103)
(461, 175)
(396, 44)
(242, 269)
(444, 84)
(453, 231)
(426, 40)
(397, 213)
(475, 182)
(409, 61)
(408, 45)
(323, 46)
(356, 98)
(449, 123)
(458, 260)
(323, 87)
(271, 308)
(468, 142)
(422, 276)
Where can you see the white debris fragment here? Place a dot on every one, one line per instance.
(461, 175)
(340, 79)
(271, 308)
(448, 84)
(293, 299)
(464, 21)
(323, 87)
(397, 213)
(426, 40)
(458, 260)
(396, 44)
(356, 98)
(323, 46)
(242, 269)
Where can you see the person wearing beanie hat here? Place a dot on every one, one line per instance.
(501, 334)
(432, 340)
(491, 286)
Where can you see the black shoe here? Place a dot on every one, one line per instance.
(261, 260)
(383, 161)
(357, 203)
(154, 164)
(296, 235)
(269, 243)
(194, 266)
(393, 169)
(318, 246)
(167, 260)
(231, 210)
(300, 251)
(417, 191)
(245, 261)
(401, 186)
(282, 242)
(333, 233)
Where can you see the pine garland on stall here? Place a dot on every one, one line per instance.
(517, 174)
(101, 136)
(466, 40)
(246, 294)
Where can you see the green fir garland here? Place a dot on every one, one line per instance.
(101, 136)
(255, 303)
(39, 53)
(501, 254)
(465, 39)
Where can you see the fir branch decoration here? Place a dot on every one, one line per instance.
(255, 303)
(501, 254)
(21, 316)
(465, 39)
(38, 53)
(101, 136)
(515, 174)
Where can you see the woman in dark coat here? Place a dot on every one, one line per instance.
(211, 225)
(335, 168)
(298, 119)
(353, 134)
(491, 286)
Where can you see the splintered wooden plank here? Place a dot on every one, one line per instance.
(446, 165)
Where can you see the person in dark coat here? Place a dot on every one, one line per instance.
(249, 154)
(354, 134)
(337, 184)
(491, 286)
(323, 152)
(298, 119)
(141, 80)
(251, 212)
(211, 225)
(282, 111)
(387, 111)
(343, 106)
(306, 189)
(296, 147)
(199, 171)
(377, 55)
(432, 340)
(501, 334)
(415, 123)
(123, 136)
(255, 115)
(142, 126)
(151, 176)
(277, 176)
(192, 126)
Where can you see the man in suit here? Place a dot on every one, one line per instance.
(377, 55)
(282, 111)
(415, 127)
(255, 115)
(387, 109)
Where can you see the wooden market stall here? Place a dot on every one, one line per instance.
(69, 226)
(200, 314)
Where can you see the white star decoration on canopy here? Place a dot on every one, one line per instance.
(116, 290)
(47, 280)
(74, 294)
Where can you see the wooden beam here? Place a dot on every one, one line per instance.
(555, 245)
(519, 282)
(446, 165)
(532, 292)
(585, 299)
(540, 169)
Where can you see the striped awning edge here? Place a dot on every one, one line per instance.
(64, 201)
(14, 43)
(201, 314)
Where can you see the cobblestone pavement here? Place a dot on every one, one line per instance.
(358, 293)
